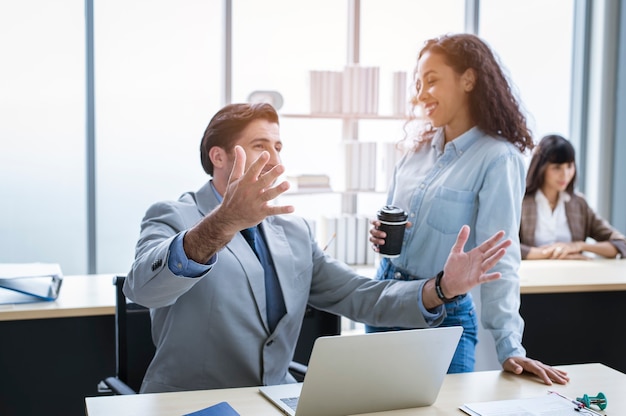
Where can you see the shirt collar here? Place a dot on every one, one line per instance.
(540, 198)
(217, 194)
(458, 145)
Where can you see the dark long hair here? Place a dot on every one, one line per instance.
(226, 126)
(551, 149)
(493, 106)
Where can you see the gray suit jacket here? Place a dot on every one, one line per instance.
(212, 332)
(583, 222)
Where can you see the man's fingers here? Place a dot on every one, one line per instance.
(502, 245)
(274, 192)
(268, 178)
(492, 260)
(257, 166)
(239, 165)
(491, 242)
(488, 277)
(280, 209)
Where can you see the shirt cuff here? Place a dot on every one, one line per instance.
(180, 265)
(434, 317)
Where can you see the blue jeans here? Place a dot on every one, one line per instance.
(458, 313)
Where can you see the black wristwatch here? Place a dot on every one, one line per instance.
(440, 294)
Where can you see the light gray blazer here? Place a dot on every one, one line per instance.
(212, 332)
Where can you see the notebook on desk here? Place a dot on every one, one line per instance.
(29, 282)
(370, 372)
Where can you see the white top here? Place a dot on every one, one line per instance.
(551, 225)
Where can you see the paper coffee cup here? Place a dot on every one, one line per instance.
(393, 222)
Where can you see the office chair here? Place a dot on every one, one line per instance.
(135, 349)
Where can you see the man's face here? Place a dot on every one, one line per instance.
(260, 135)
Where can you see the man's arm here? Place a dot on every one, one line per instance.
(245, 204)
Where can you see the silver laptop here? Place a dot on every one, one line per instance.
(372, 372)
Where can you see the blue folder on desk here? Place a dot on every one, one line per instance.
(29, 282)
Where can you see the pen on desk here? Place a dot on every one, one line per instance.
(579, 406)
(329, 241)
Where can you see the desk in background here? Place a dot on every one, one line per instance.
(53, 354)
(574, 311)
(457, 389)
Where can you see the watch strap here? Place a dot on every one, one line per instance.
(439, 291)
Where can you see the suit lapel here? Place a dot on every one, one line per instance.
(206, 200)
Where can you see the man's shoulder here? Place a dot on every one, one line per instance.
(187, 202)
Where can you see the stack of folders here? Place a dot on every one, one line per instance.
(29, 282)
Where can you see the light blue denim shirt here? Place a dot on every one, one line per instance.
(476, 180)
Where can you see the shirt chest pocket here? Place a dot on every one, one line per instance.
(451, 209)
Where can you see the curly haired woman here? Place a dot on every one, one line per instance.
(467, 167)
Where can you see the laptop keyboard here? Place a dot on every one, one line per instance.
(291, 402)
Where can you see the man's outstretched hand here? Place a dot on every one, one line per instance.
(249, 193)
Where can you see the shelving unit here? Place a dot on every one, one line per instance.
(350, 132)
(350, 98)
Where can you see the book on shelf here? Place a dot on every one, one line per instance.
(362, 240)
(342, 243)
(309, 183)
(391, 154)
(351, 238)
(361, 166)
(328, 235)
(400, 93)
(326, 91)
(346, 238)
(360, 87)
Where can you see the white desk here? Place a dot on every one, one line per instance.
(568, 276)
(456, 390)
(87, 295)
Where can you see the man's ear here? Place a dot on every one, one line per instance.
(469, 79)
(218, 156)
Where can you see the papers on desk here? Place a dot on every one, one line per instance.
(552, 404)
(29, 282)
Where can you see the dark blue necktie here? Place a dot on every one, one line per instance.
(273, 295)
(250, 235)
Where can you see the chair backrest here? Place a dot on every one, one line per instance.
(133, 334)
(316, 323)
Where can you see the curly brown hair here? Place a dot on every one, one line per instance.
(493, 106)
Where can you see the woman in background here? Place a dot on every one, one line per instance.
(466, 168)
(556, 221)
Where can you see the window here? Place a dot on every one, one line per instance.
(158, 78)
(42, 130)
(534, 41)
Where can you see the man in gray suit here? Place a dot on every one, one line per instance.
(227, 312)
